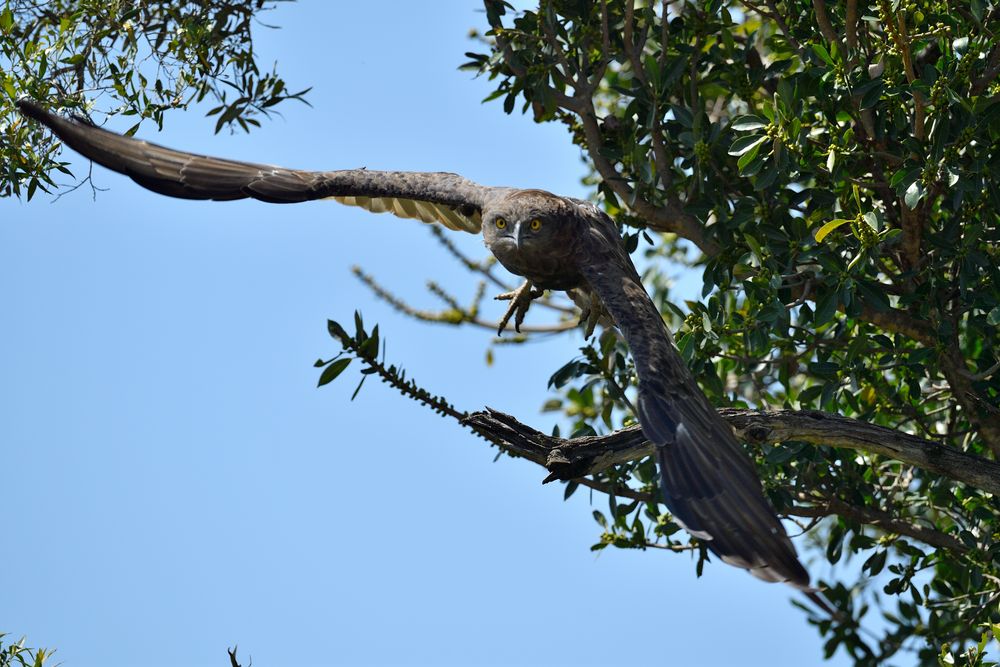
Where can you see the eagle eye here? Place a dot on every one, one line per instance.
(500, 223)
(536, 224)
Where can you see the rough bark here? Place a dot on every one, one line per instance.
(569, 459)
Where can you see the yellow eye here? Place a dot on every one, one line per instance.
(536, 224)
(500, 223)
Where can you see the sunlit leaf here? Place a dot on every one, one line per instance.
(825, 230)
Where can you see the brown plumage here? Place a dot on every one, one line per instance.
(707, 481)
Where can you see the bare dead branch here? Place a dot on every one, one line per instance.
(570, 459)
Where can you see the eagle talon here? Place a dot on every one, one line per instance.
(520, 300)
(590, 317)
(592, 311)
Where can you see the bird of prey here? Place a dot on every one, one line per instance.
(707, 481)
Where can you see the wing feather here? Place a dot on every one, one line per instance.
(707, 481)
(418, 210)
(444, 198)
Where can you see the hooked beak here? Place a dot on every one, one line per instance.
(517, 235)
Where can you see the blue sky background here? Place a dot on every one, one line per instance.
(174, 482)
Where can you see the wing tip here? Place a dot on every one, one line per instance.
(32, 109)
(795, 576)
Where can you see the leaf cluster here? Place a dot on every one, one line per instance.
(138, 59)
(832, 167)
(16, 654)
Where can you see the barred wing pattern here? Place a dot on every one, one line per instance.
(707, 481)
(448, 199)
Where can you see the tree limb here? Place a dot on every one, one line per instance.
(570, 459)
(668, 217)
(825, 27)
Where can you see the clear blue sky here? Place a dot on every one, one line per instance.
(174, 483)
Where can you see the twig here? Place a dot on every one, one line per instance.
(879, 518)
(454, 316)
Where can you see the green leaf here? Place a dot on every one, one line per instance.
(825, 230)
(823, 54)
(331, 372)
(978, 8)
(824, 368)
(994, 317)
(875, 562)
(914, 194)
(360, 335)
(809, 394)
(749, 122)
(748, 157)
(826, 306)
(743, 144)
(874, 295)
(337, 331)
(904, 175)
(753, 245)
(571, 370)
(766, 179)
(890, 234)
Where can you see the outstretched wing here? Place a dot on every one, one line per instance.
(708, 482)
(449, 199)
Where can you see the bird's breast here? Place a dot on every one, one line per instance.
(547, 269)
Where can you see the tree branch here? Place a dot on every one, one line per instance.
(880, 518)
(898, 321)
(825, 27)
(980, 414)
(570, 459)
(668, 217)
(990, 72)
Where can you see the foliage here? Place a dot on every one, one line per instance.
(134, 58)
(364, 346)
(828, 168)
(18, 655)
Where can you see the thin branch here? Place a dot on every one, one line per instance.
(983, 81)
(663, 160)
(616, 490)
(668, 217)
(980, 413)
(985, 375)
(455, 315)
(773, 14)
(879, 518)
